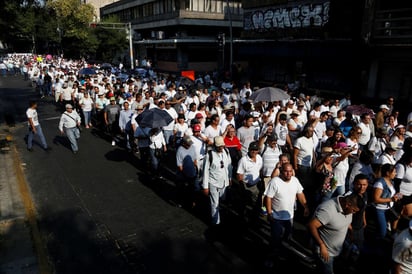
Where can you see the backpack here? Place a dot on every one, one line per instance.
(211, 155)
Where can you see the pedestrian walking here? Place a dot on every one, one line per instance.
(329, 227)
(34, 127)
(217, 176)
(69, 125)
(280, 198)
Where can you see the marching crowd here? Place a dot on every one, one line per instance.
(304, 157)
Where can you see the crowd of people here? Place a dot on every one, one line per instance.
(305, 157)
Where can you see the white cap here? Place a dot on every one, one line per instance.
(384, 107)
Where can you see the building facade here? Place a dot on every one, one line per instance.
(181, 34)
(336, 47)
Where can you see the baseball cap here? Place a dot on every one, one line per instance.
(326, 150)
(384, 107)
(393, 146)
(198, 115)
(255, 114)
(112, 99)
(218, 140)
(69, 106)
(197, 127)
(187, 140)
(254, 146)
(340, 145)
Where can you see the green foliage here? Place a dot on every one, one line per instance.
(58, 26)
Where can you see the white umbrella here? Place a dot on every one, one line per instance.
(269, 94)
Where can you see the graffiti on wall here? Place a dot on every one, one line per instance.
(302, 16)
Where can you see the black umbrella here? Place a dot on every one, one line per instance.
(154, 118)
(106, 66)
(87, 71)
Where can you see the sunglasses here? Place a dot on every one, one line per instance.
(221, 164)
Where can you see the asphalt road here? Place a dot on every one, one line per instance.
(98, 212)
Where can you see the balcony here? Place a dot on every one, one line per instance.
(392, 27)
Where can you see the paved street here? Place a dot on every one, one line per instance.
(97, 211)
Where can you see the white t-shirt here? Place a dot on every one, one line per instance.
(306, 147)
(32, 113)
(86, 103)
(283, 196)
(405, 174)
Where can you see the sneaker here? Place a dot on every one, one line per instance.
(113, 143)
(263, 211)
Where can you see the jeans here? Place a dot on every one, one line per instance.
(280, 230)
(381, 223)
(215, 194)
(167, 134)
(87, 117)
(39, 132)
(154, 160)
(73, 134)
(339, 190)
(327, 267)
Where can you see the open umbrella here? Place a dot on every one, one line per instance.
(106, 66)
(359, 110)
(269, 94)
(184, 82)
(87, 71)
(154, 118)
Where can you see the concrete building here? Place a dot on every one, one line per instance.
(336, 47)
(181, 35)
(97, 4)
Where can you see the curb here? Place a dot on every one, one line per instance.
(25, 195)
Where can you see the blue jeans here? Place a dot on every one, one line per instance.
(87, 117)
(327, 267)
(73, 134)
(381, 223)
(280, 230)
(154, 160)
(167, 134)
(339, 190)
(39, 132)
(215, 194)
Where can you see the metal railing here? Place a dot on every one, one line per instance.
(392, 26)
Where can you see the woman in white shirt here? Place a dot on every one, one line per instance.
(87, 104)
(157, 142)
(179, 130)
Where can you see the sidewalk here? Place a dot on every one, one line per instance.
(17, 253)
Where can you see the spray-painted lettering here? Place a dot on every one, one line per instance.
(303, 16)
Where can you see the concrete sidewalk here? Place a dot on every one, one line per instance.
(17, 253)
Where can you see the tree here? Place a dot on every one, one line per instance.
(73, 20)
(113, 39)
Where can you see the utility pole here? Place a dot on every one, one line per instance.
(230, 38)
(125, 26)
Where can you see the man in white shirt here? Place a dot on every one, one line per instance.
(69, 123)
(34, 127)
(366, 131)
(217, 176)
(280, 197)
